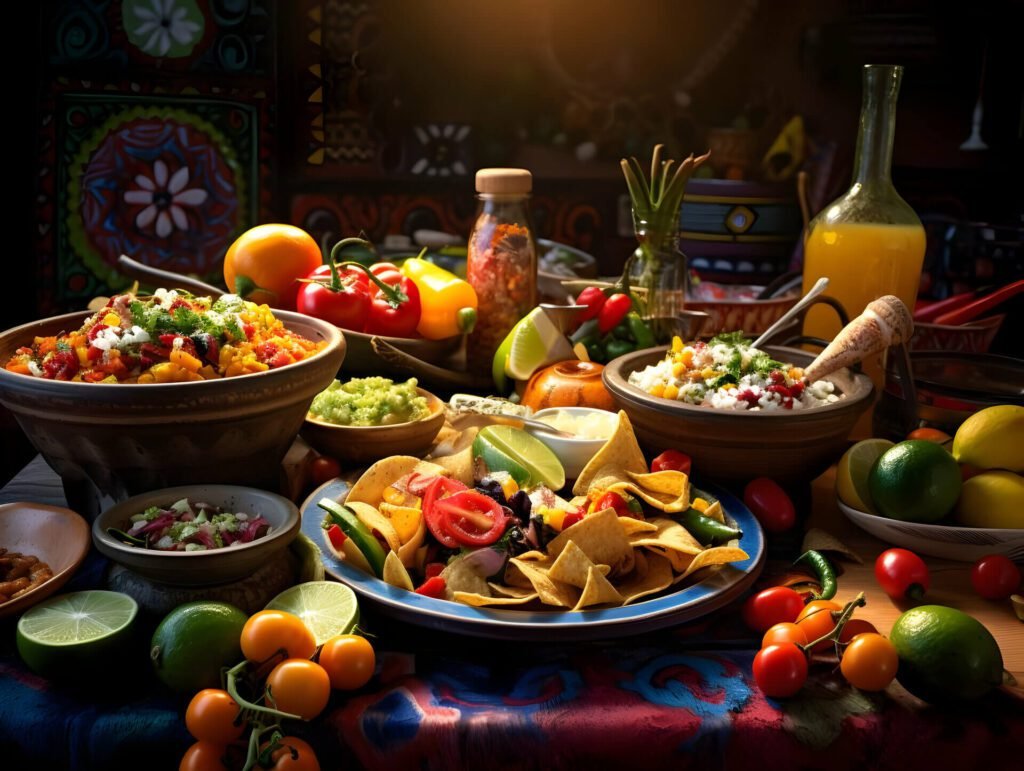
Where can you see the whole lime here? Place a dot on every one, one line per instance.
(194, 642)
(916, 481)
(945, 655)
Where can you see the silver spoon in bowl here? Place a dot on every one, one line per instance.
(819, 286)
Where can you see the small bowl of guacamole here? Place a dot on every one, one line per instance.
(366, 419)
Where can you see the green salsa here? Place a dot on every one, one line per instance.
(369, 401)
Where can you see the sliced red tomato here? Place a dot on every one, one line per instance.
(472, 518)
(435, 492)
(417, 483)
(433, 587)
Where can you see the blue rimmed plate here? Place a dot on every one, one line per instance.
(714, 588)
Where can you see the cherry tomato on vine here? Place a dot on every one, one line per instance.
(211, 716)
(995, 577)
(854, 627)
(780, 670)
(869, 662)
(770, 504)
(344, 302)
(387, 272)
(672, 460)
(785, 632)
(293, 754)
(349, 660)
(816, 620)
(772, 606)
(300, 687)
(204, 756)
(902, 574)
(323, 469)
(267, 632)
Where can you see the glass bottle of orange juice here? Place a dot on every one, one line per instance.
(869, 242)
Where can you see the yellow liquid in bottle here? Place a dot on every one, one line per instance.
(863, 261)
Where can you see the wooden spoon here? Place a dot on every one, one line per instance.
(134, 269)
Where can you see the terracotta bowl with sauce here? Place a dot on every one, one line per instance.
(571, 383)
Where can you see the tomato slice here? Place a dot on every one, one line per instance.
(472, 518)
(417, 483)
(436, 491)
(613, 501)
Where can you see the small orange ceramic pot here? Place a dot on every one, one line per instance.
(568, 384)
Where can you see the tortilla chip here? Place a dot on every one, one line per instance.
(479, 600)
(453, 451)
(511, 591)
(460, 576)
(677, 560)
(369, 488)
(640, 566)
(599, 535)
(548, 591)
(669, 535)
(534, 556)
(458, 466)
(715, 511)
(413, 552)
(406, 519)
(719, 555)
(572, 566)
(395, 572)
(374, 520)
(657, 575)
(620, 451)
(632, 526)
(665, 490)
(597, 591)
(626, 566)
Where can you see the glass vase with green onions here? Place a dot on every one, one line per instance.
(657, 269)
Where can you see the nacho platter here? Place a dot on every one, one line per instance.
(704, 592)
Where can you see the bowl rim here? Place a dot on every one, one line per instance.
(621, 387)
(291, 522)
(1005, 533)
(434, 403)
(333, 336)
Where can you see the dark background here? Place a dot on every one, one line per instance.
(318, 110)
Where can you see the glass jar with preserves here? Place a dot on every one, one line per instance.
(501, 263)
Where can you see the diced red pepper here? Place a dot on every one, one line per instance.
(336, 536)
(432, 569)
(613, 501)
(433, 587)
(672, 460)
(571, 519)
(95, 331)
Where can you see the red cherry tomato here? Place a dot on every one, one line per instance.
(902, 574)
(672, 460)
(785, 632)
(770, 504)
(780, 670)
(344, 303)
(387, 272)
(324, 468)
(776, 605)
(995, 577)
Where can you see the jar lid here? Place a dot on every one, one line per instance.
(504, 181)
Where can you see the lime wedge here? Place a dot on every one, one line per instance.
(523, 450)
(71, 633)
(496, 459)
(500, 363)
(327, 607)
(536, 342)
(852, 473)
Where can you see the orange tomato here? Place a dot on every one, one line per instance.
(204, 756)
(263, 264)
(293, 754)
(930, 435)
(270, 631)
(299, 687)
(816, 621)
(349, 660)
(869, 662)
(854, 627)
(783, 633)
(211, 716)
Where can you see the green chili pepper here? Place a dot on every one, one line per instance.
(634, 505)
(615, 348)
(705, 529)
(642, 333)
(596, 352)
(621, 331)
(824, 570)
(587, 329)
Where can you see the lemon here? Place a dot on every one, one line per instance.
(75, 634)
(945, 655)
(916, 481)
(852, 473)
(534, 342)
(326, 607)
(526, 458)
(992, 499)
(992, 438)
(194, 642)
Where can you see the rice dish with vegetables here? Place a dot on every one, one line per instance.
(170, 337)
(728, 374)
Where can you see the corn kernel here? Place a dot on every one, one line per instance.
(112, 320)
(700, 504)
(657, 390)
(185, 360)
(671, 391)
(686, 357)
(707, 373)
(796, 373)
(677, 343)
(509, 487)
(83, 355)
(729, 386)
(678, 369)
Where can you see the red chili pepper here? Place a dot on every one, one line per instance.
(613, 501)
(336, 536)
(337, 294)
(593, 297)
(613, 312)
(672, 460)
(432, 569)
(432, 514)
(472, 518)
(433, 587)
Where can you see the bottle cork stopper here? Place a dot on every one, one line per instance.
(504, 181)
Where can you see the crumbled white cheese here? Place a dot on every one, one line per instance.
(35, 369)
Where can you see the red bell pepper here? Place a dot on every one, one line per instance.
(336, 536)
(433, 587)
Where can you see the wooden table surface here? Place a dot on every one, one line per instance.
(951, 581)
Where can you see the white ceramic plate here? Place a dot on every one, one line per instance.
(713, 589)
(949, 542)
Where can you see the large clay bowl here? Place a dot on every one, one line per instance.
(361, 359)
(736, 446)
(110, 441)
(362, 445)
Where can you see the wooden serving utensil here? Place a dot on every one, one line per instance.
(137, 270)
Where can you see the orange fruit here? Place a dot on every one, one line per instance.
(264, 263)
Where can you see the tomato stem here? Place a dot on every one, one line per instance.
(393, 294)
(844, 616)
(245, 703)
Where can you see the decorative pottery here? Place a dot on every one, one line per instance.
(568, 384)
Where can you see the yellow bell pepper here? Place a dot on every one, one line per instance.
(447, 303)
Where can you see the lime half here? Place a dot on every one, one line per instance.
(327, 607)
(535, 343)
(522, 450)
(70, 633)
(852, 473)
